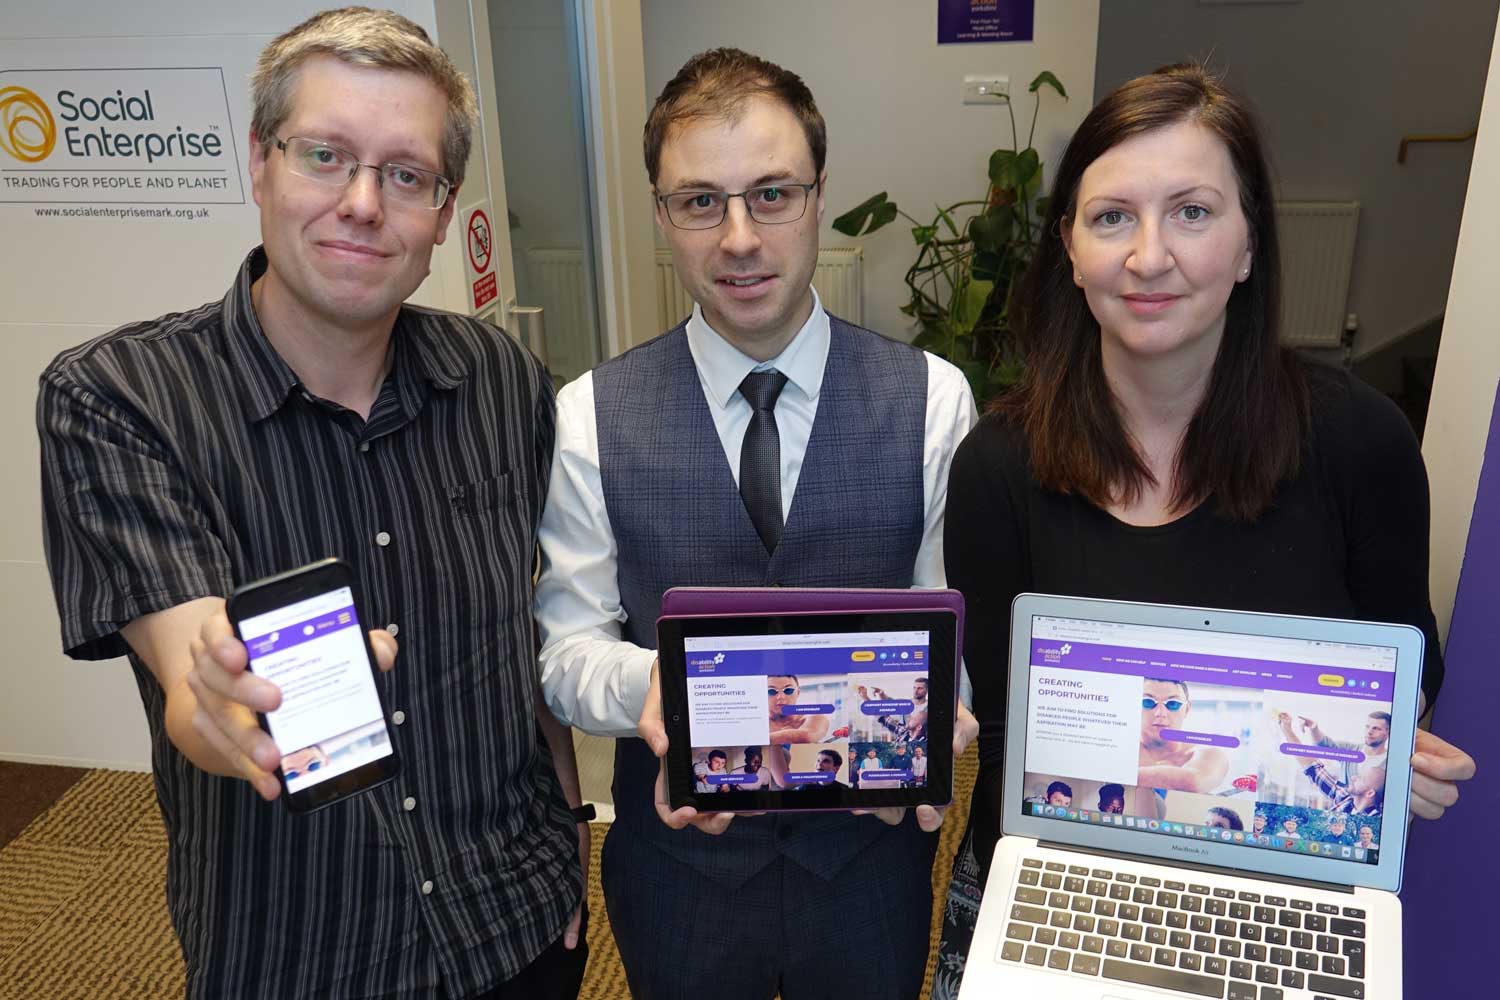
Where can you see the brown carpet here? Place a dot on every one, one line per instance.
(27, 791)
(82, 890)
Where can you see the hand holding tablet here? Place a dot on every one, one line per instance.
(859, 710)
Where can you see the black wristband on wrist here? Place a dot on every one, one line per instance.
(584, 813)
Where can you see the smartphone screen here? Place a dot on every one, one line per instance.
(331, 721)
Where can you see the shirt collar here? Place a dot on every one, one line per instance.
(420, 356)
(721, 366)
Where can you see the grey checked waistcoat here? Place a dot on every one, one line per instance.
(856, 520)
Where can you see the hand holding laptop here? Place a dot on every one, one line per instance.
(1436, 768)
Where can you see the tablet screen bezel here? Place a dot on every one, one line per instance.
(942, 626)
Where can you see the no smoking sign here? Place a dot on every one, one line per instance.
(479, 243)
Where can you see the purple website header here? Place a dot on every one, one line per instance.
(818, 660)
(1209, 668)
(297, 633)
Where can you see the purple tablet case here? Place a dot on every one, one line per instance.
(698, 602)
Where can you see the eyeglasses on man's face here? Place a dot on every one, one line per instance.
(327, 164)
(1171, 704)
(769, 204)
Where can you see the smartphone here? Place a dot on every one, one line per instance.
(306, 631)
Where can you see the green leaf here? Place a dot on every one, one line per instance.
(877, 210)
(1046, 77)
(977, 372)
(1000, 167)
(928, 340)
(971, 303)
(987, 265)
(1012, 171)
(1041, 205)
(923, 234)
(943, 213)
(990, 230)
(884, 214)
(1026, 168)
(1035, 184)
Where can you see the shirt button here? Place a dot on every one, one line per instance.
(398, 716)
(409, 803)
(364, 446)
(383, 538)
(427, 888)
(393, 629)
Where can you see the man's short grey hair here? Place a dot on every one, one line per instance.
(360, 36)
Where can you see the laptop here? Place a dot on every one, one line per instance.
(1199, 803)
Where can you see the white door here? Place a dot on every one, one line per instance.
(555, 217)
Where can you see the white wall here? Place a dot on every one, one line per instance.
(1468, 368)
(892, 99)
(1338, 83)
(64, 281)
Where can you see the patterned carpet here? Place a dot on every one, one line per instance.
(83, 909)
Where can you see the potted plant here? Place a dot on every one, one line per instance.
(969, 258)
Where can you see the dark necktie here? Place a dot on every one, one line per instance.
(760, 456)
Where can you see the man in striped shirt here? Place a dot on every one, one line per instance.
(312, 413)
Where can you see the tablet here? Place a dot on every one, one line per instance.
(809, 699)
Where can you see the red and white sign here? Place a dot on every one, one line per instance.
(485, 291)
(479, 255)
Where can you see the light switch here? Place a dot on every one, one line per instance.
(986, 89)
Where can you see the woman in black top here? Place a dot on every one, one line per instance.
(1163, 446)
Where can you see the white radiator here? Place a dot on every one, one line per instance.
(1317, 257)
(557, 281)
(839, 279)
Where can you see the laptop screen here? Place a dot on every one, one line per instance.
(1270, 743)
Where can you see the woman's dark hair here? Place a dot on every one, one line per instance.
(1247, 434)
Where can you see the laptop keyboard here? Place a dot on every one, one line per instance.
(1183, 936)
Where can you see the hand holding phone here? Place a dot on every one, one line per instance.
(228, 697)
(306, 665)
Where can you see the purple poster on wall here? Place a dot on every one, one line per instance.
(962, 21)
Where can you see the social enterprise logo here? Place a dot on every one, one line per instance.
(27, 129)
(30, 131)
(149, 135)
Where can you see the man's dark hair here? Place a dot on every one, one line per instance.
(1108, 793)
(1383, 717)
(1059, 786)
(1229, 816)
(751, 752)
(833, 755)
(720, 754)
(716, 86)
(1168, 680)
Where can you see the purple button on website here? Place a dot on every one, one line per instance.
(884, 775)
(733, 779)
(809, 777)
(1326, 753)
(892, 706)
(807, 709)
(1202, 739)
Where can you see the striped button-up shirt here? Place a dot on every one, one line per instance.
(180, 458)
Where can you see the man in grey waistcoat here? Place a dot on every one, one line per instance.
(761, 442)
